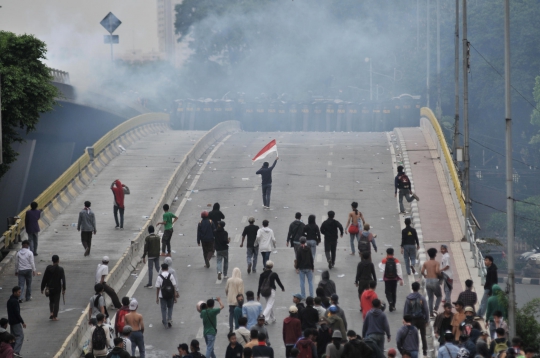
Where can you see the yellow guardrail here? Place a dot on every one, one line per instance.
(426, 112)
(63, 180)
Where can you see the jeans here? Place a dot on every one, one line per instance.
(25, 277)
(266, 191)
(433, 288)
(483, 304)
(353, 243)
(17, 331)
(390, 288)
(33, 239)
(409, 253)
(252, 253)
(312, 244)
(265, 256)
(166, 310)
(210, 339)
(414, 354)
(166, 241)
(303, 273)
(404, 193)
(121, 223)
(137, 340)
(378, 338)
(447, 291)
(330, 250)
(152, 262)
(86, 239)
(112, 294)
(231, 317)
(269, 310)
(208, 251)
(420, 324)
(54, 301)
(222, 256)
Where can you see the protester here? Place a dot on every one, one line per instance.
(458, 317)
(172, 271)
(100, 340)
(491, 279)
(365, 241)
(87, 225)
(31, 225)
(254, 336)
(3, 329)
(234, 349)
(183, 351)
(448, 350)
(498, 322)
(194, 348)
(416, 307)
(292, 330)
(266, 184)
(25, 269)
(324, 336)
(166, 294)
(209, 318)
(6, 349)
(407, 338)
(250, 232)
(151, 248)
(242, 333)
(341, 313)
(443, 322)
(392, 274)
(309, 315)
(267, 280)
(251, 309)
(205, 235)
(222, 240)
(312, 235)
(248, 352)
(325, 301)
(499, 344)
(119, 191)
(306, 344)
(135, 320)
(365, 273)
(330, 228)
(97, 304)
(296, 231)
(355, 347)
(168, 221)
(335, 349)
(118, 350)
(317, 304)
(446, 271)
(304, 266)
(234, 287)
(125, 334)
(260, 326)
(297, 300)
(215, 214)
(409, 245)
(237, 313)
(265, 241)
(495, 303)
(376, 325)
(327, 284)
(354, 222)
(366, 300)
(468, 297)
(16, 323)
(403, 184)
(431, 271)
(482, 348)
(101, 273)
(262, 350)
(54, 281)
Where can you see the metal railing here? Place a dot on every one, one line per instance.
(477, 256)
(59, 76)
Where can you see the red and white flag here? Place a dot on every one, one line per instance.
(269, 148)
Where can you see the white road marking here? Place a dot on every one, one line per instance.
(237, 238)
(329, 175)
(329, 162)
(244, 219)
(136, 284)
(319, 257)
(325, 202)
(189, 176)
(250, 202)
(327, 188)
(199, 333)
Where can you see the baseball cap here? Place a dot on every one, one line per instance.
(105, 259)
(127, 329)
(293, 309)
(334, 297)
(458, 303)
(333, 309)
(297, 295)
(469, 309)
(261, 316)
(392, 352)
(133, 304)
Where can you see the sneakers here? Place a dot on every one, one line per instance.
(219, 276)
(254, 271)
(148, 285)
(87, 251)
(329, 264)
(413, 270)
(169, 323)
(225, 276)
(415, 196)
(249, 268)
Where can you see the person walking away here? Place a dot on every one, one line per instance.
(376, 325)
(499, 344)
(54, 281)
(234, 288)
(297, 300)
(87, 225)
(443, 322)
(355, 347)
(262, 350)
(205, 235)
(250, 232)
(209, 319)
(334, 320)
(431, 271)
(16, 322)
(101, 273)
(334, 300)
(392, 274)
(482, 348)
(416, 307)
(267, 289)
(168, 221)
(327, 284)
(265, 241)
(3, 329)
(254, 339)
(305, 267)
(491, 279)
(31, 225)
(367, 297)
(238, 309)
(251, 309)
(151, 248)
(215, 214)
(261, 328)
(317, 304)
(324, 336)
(447, 278)
(172, 271)
(222, 240)
(409, 245)
(309, 317)
(234, 349)
(6, 349)
(448, 350)
(335, 349)
(325, 301)
(118, 350)
(100, 340)
(292, 330)
(242, 333)
(306, 344)
(468, 297)
(365, 273)
(97, 304)
(194, 348)
(403, 184)
(296, 230)
(329, 229)
(458, 317)
(266, 184)
(495, 303)
(135, 320)
(354, 222)
(407, 338)
(119, 192)
(25, 269)
(166, 294)
(365, 242)
(119, 320)
(312, 234)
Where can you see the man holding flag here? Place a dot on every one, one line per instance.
(266, 171)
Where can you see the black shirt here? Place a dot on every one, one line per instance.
(312, 232)
(262, 352)
(273, 279)
(409, 236)
(216, 216)
(266, 174)
(251, 232)
(330, 228)
(235, 352)
(222, 239)
(309, 318)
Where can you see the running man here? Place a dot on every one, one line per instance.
(356, 221)
(403, 183)
(266, 185)
(168, 221)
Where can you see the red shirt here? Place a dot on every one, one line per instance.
(366, 301)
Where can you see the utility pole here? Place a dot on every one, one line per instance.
(466, 120)
(456, 85)
(417, 25)
(509, 171)
(438, 108)
(1, 151)
(427, 53)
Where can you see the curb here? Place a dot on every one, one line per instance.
(522, 280)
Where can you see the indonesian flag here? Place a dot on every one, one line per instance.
(269, 148)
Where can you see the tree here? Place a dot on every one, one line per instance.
(26, 89)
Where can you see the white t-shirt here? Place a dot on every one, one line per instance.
(101, 270)
(446, 262)
(159, 280)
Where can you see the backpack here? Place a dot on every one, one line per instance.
(466, 328)
(377, 352)
(415, 308)
(304, 347)
(363, 243)
(403, 181)
(463, 353)
(120, 320)
(99, 338)
(390, 269)
(167, 288)
(266, 290)
(499, 347)
(324, 336)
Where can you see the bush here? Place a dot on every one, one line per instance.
(528, 325)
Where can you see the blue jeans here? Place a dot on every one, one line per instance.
(116, 209)
(25, 277)
(265, 256)
(210, 339)
(222, 259)
(312, 244)
(266, 191)
(353, 243)
(303, 273)
(433, 288)
(404, 193)
(17, 331)
(166, 310)
(483, 303)
(152, 262)
(33, 239)
(409, 253)
(252, 253)
(137, 340)
(414, 354)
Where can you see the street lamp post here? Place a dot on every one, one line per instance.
(370, 78)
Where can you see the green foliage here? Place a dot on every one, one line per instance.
(528, 323)
(26, 89)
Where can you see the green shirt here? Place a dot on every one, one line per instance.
(168, 218)
(209, 318)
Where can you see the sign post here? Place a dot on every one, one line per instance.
(111, 23)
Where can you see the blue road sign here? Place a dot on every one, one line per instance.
(110, 22)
